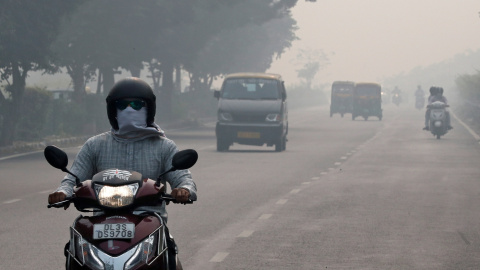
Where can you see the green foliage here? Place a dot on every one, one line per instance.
(468, 86)
(193, 105)
(35, 108)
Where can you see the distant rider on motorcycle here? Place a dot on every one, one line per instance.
(419, 93)
(436, 94)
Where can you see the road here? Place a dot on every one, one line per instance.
(344, 195)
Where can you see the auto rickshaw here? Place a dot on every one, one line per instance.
(342, 97)
(367, 100)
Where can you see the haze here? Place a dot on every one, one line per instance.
(372, 39)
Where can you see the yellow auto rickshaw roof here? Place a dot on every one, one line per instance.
(254, 75)
(368, 84)
(343, 83)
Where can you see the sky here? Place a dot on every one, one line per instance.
(367, 40)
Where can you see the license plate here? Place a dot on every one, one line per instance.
(113, 231)
(248, 135)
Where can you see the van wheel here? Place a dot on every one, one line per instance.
(222, 145)
(281, 144)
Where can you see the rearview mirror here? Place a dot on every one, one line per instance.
(56, 157)
(59, 159)
(184, 159)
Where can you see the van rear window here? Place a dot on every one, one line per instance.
(250, 88)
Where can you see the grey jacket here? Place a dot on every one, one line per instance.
(150, 157)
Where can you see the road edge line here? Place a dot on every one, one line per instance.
(472, 132)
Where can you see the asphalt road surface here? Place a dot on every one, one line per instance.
(344, 195)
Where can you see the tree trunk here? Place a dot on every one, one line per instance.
(108, 79)
(135, 72)
(13, 108)
(77, 73)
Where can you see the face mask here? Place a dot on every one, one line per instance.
(131, 120)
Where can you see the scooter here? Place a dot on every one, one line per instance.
(438, 118)
(115, 237)
(396, 99)
(419, 102)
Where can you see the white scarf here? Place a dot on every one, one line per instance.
(132, 126)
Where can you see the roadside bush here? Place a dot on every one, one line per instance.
(35, 109)
(469, 87)
(190, 106)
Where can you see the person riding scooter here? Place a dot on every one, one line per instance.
(396, 96)
(436, 94)
(419, 98)
(419, 92)
(134, 143)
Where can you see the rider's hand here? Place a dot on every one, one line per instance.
(180, 194)
(57, 197)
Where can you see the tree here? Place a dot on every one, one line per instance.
(312, 61)
(241, 36)
(28, 29)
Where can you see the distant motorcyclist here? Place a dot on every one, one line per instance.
(419, 98)
(436, 94)
(396, 95)
(419, 93)
(396, 90)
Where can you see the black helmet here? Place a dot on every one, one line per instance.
(433, 90)
(130, 88)
(440, 90)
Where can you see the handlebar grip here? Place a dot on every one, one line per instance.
(169, 198)
(60, 204)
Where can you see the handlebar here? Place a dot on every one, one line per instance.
(169, 198)
(60, 204)
(164, 197)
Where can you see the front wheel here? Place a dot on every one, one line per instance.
(281, 144)
(222, 145)
(438, 136)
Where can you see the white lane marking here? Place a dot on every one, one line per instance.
(295, 191)
(354, 151)
(323, 173)
(12, 201)
(343, 158)
(474, 134)
(45, 191)
(306, 183)
(219, 257)
(246, 233)
(331, 169)
(349, 154)
(282, 201)
(315, 178)
(265, 216)
(338, 163)
(19, 155)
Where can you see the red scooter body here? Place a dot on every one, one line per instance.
(146, 227)
(121, 234)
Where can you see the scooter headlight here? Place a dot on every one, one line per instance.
(116, 196)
